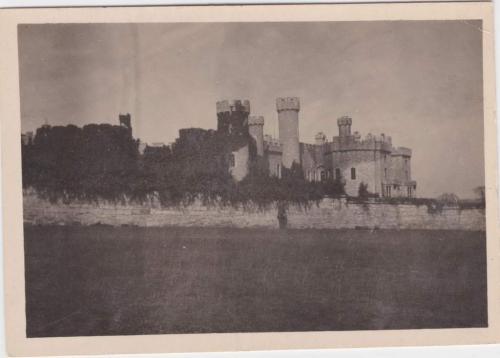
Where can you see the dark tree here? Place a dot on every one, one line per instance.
(363, 192)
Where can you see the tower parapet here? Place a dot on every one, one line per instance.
(272, 144)
(232, 116)
(344, 124)
(256, 130)
(235, 105)
(288, 104)
(288, 123)
(355, 142)
(255, 120)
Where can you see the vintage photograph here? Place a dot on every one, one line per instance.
(248, 178)
(252, 177)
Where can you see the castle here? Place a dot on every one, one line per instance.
(373, 160)
(384, 169)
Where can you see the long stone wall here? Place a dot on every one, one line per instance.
(329, 214)
(334, 213)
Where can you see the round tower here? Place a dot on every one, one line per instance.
(232, 116)
(344, 124)
(288, 127)
(256, 130)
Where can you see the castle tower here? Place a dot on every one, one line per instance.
(288, 126)
(344, 124)
(232, 116)
(256, 130)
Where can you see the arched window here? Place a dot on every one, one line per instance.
(353, 173)
(337, 173)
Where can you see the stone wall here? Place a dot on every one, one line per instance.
(329, 214)
(342, 214)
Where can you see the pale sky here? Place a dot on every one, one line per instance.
(417, 81)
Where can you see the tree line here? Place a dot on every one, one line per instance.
(102, 162)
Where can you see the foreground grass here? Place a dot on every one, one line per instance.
(112, 281)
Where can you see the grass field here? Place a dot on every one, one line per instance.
(113, 281)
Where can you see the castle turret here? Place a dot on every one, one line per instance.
(288, 121)
(320, 138)
(125, 121)
(232, 116)
(256, 130)
(344, 124)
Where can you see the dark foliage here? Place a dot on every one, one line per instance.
(363, 191)
(88, 163)
(333, 187)
(102, 162)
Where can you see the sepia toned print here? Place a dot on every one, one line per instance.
(254, 177)
(107, 200)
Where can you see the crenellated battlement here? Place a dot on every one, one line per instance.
(233, 106)
(354, 142)
(272, 144)
(255, 120)
(401, 151)
(288, 104)
(344, 124)
(320, 138)
(344, 121)
(382, 138)
(309, 146)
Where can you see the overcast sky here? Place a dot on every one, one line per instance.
(417, 81)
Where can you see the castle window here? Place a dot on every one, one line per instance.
(406, 173)
(353, 173)
(330, 173)
(337, 173)
(232, 162)
(385, 173)
(323, 175)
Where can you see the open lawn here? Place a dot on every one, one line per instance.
(128, 280)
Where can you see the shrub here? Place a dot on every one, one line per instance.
(363, 192)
